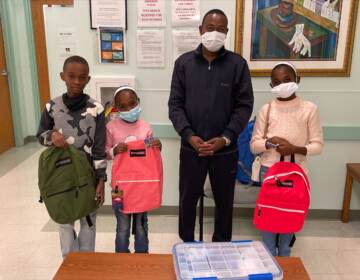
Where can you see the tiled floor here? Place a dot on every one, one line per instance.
(29, 247)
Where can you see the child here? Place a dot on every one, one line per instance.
(75, 118)
(124, 128)
(293, 127)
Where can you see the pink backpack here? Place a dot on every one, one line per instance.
(284, 198)
(137, 176)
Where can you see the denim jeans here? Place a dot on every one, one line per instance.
(140, 222)
(84, 241)
(269, 238)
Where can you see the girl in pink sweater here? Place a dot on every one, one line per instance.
(126, 127)
(293, 127)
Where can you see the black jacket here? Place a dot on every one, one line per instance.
(210, 100)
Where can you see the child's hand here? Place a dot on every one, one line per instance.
(284, 147)
(155, 143)
(58, 140)
(120, 148)
(100, 193)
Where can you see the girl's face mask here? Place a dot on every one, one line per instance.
(130, 116)
(284, 90)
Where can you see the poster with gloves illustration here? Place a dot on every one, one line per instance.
(316, 35)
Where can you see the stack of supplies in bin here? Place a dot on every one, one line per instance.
(240, 260)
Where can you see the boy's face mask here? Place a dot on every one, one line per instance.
(284, 90)
(130, 116)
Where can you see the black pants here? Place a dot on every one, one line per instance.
(222, 174)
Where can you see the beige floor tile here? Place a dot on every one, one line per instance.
(30, 249)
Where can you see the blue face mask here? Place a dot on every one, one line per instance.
(130, 116)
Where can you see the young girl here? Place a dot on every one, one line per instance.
(124, 128)
(293, 127)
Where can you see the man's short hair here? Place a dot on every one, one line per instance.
(214, 11)
(76, 59)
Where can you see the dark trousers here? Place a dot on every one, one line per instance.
(222, 174)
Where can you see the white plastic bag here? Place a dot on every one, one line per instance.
(255, 171)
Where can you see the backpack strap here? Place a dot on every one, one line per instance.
(88, 220)
(292, 159)
(267, 121)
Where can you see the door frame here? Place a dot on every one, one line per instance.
(38, 23)
(11, 128)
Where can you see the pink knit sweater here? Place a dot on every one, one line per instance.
(297, 121)
(119, 131)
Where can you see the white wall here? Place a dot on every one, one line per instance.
(337, 98)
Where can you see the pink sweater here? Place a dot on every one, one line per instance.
(297, 121)
(118, 131)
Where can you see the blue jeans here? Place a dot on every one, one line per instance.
(140, 229)
(269, 238)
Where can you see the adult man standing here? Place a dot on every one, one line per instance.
(210, 103)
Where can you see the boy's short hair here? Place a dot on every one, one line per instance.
(214, 11)
(285, 64)
(76, 59)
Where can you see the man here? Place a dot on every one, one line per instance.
(211, 101)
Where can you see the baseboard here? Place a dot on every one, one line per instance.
(247, 212)
(30, 139)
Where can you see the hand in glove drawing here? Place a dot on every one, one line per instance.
(301, 43)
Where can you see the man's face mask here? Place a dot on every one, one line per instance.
(130, 116)
(213, 41)
(284, 90)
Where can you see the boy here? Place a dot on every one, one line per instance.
(75, 118)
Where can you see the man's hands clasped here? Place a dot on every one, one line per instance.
(207, 148)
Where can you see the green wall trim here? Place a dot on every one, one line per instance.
(5, 12)
(32, 55)
(339, 133)
(346, 133)
(164, 131)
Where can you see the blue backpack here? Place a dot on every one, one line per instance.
(246, 158)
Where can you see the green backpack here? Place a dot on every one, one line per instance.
(67, 184)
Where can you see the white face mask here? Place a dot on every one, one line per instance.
(213, 41)
(284, 90)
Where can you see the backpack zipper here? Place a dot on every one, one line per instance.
(289, 173)
(280, 209)
(76, 188)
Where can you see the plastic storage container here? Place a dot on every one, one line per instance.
(240, 260)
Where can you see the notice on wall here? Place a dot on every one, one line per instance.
(185, 41)
(111, 45)
(185, 13)
(151, 13)
(110, 13)
(66, 43)
(150, 48)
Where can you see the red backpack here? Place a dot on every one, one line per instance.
(137, 178)
(284, 198)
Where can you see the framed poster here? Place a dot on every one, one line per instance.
(111, 45)
(110, 13)
(317, 36)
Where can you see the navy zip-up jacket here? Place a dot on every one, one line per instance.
(210, 99)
